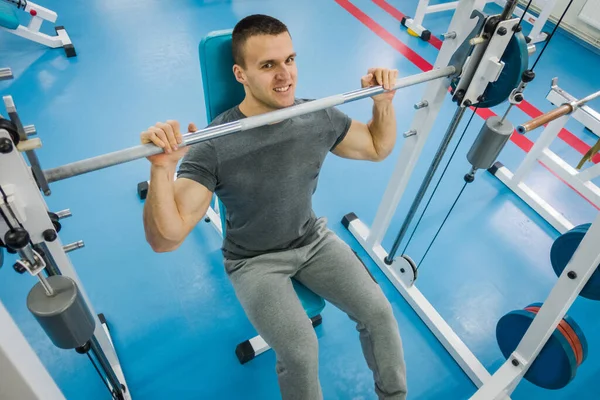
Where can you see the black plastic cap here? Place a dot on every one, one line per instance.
(316, 320)
(528, 76)
(102, 319)
(517, 28)
(49, 235)
(527, 39)
(519, 97)
(70, 50)
(490, 25)
(403, 20)
(142, 189)
(348, 218)
(469, 178)
(494, 168)
(16, 238)
(83, 349)
(426, 35)
(244, 352)
(55, 221)
(19, 268)
(11, 128)
(502, 31)
(6, 145)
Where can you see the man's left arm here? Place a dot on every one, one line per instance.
(375, 140)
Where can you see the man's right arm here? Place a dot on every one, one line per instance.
(173, 207)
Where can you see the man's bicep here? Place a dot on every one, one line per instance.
(357, 143)
(192, 199)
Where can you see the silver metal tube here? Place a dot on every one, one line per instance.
(137, 152)
(591, 97)
(45, 284)
(509, 9)
(73, 246)
(426, 182)
(64, 213)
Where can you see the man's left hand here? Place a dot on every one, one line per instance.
(381, 77)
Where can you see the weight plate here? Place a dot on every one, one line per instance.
(556, 364)
(569, 328)
(561, 253)
(516, 61)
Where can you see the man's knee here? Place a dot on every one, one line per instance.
(300, 354)
(380, 313)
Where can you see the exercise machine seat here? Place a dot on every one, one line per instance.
(222, 92)
(8, 16)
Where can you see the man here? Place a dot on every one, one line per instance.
(266, 177)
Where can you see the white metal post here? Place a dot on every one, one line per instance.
(536, 34)
(435, 93)
(546, 138)
(370, 239)
(583, 263)
(15, 173)
(22, 374)
(420, 12)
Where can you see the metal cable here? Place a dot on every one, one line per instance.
(442, 224)
(552, 34)
(100, 375)
(439, 181)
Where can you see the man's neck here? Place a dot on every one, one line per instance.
(251, 107)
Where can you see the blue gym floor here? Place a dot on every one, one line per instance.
(174, 318)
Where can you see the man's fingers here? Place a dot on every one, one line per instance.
(379, 76)
(168, 130)
(366, 80)
(176, 130)
(192, 127)
(162, 138)
(386, 80)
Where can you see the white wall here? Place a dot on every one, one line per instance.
(571, 23)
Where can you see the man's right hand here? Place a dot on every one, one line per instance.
(168, 137)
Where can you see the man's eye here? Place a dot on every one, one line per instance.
(267, 65)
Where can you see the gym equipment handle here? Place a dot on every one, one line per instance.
(558, 112)
(146, 150)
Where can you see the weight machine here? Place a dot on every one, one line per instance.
(415, 25)
(483, 63)
(9, 21)
(580, 180)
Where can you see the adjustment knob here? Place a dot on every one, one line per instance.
(16, 238)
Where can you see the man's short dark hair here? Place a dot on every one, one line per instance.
(253, 25)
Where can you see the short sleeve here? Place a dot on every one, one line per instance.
(340, 124)
(200, 165)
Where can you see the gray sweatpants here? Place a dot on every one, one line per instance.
(329, 268)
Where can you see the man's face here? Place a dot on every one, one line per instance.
(270, 73)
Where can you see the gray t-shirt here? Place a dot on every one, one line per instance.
(266, 177)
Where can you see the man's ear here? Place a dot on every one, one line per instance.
(239, 74)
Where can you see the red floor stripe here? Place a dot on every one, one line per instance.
(520, 140)
(529, 109)
(412, 56)
(437, 43)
